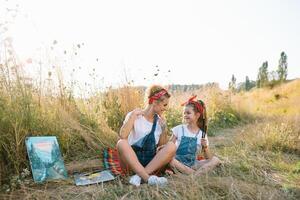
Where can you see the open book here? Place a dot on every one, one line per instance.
(94, 177)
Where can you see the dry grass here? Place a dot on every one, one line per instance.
(260, 159)
(250, 170)
(281, 100)
(179, 188)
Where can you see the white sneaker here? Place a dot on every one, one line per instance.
(155, 180)
(135, 180)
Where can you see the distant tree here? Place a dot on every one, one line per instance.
(282, 67)
(247, 84)
(273, 79)
(240, 87)
(185, 88)
(273, 76)
(262, 77)
(232, 84)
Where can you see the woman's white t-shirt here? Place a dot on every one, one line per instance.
(177, 131)
(141, 128)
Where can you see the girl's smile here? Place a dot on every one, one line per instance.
(189, 115)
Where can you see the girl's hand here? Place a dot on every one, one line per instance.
(204, 142)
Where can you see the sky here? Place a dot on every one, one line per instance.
(158, 41)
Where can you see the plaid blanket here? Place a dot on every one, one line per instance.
(111, 161)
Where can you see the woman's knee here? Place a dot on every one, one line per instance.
(122, 144)
(170, 148)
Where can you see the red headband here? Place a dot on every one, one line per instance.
(198, 105)
(156, 96)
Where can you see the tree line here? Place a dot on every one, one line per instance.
(264, 77)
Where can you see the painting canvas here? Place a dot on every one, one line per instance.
(94, 177)
(45, 158)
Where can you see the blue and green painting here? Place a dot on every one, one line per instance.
(45, 158)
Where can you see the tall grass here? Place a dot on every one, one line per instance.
(276, 135)
(25, 111)
(280, 101)
(248, 171)
(80, 124)
(118, 102)
(260, 160)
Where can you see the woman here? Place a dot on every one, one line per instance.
(142, 132)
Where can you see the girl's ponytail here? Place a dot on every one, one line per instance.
(198, 106)
(202, 121)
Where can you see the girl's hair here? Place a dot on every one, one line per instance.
(153, 90)
(202, 120)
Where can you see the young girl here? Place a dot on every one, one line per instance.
(190, 138)
(142, 131)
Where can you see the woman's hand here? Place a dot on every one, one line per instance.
(160, 147)
(136, 112)
(129, 123)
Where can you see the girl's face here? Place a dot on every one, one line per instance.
(161, 106)
(189, 115)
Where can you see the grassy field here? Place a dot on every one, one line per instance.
(256, 134)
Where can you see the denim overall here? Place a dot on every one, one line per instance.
(145, 148)
(186, 152)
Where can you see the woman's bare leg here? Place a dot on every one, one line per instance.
(207, 166)
(181, 167)
(129, 157)
(162, 157)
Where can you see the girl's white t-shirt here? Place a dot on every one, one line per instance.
(141, 128)
(177, 132)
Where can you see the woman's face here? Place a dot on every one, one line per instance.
(189, 115)
(161, 105)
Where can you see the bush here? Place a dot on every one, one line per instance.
(117, 103)
(173, 117)
(113, 114)
(221, 119)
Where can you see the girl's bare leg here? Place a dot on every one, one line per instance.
(162, 157)
(181, 167)
(199, 163)
(207, 165)
(129, 157)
